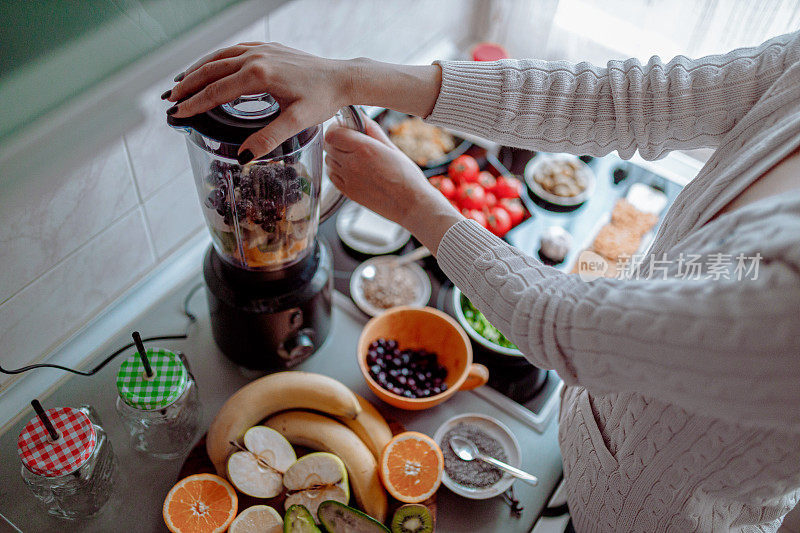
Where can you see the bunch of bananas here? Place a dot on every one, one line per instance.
(343, 423)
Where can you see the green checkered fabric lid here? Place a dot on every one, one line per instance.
(167, 384)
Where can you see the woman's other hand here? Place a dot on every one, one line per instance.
(372, 171)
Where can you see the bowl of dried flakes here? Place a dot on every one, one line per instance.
(379, 284)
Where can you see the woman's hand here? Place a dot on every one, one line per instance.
(372, 171)
(309, 89)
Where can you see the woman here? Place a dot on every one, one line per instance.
(682, 411)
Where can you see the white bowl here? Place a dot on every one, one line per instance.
(357, 289)
(534, 166)
(495, 429)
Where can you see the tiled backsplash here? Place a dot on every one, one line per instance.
(73, 243)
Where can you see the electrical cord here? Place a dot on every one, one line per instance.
(185, 335)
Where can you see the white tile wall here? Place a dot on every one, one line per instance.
(172, 213)
(57, 303)
(157, 152)
(380, 29)
(44, 218)
(72, 243)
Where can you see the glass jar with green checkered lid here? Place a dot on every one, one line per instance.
(157, 401)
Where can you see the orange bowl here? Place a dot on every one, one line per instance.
(429, 329)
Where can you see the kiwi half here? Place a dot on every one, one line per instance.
(412, 518)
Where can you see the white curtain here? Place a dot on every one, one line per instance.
(598, 30)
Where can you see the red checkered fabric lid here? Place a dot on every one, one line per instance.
(46, 457)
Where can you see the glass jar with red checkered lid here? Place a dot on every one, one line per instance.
(70, 466)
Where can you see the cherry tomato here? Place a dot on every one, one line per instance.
(498, 221)
(445, 186)
(476, 215)
(491, 200)
(486, 180)
(471, 196)
(507, 187)
(514, 209)
(464, 169)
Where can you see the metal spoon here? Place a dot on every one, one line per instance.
(467, 451)
(415, 255)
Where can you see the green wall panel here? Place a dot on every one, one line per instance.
(52, 50)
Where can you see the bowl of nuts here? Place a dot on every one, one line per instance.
(560, 179)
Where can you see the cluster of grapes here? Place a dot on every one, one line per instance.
(408, 373)
(261, 194)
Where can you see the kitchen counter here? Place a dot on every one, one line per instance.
(145, 482)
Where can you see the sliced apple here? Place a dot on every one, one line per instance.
(270, 446)
(315, 478)
(251, 478)
(258, 470)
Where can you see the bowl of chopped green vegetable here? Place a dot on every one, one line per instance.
(511, 373)
(479, 328)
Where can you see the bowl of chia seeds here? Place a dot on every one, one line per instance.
(477, 480)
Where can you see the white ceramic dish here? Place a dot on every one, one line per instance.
(534, 166)
(357, 291)
(496, 430)
(396, 235)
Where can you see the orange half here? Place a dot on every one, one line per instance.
(201, 503)
(411, 467)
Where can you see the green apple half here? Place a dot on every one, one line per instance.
(315, 478)
(246, 470)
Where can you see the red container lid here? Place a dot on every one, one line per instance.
(488, 52)
(51, 458)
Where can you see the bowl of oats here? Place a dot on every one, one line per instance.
(380, 283)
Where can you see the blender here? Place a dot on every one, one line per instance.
(268, 277)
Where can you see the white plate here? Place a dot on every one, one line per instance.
(357, 290)
(495, 429)
(533, 166)
(396, 237)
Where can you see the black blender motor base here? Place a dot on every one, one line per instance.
(270, 320)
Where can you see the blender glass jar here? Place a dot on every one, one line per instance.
(262, 215)
(74, 475)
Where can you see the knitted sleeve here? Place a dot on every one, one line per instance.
(729, 349)
(557, 106)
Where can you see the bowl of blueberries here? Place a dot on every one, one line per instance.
(416, 357)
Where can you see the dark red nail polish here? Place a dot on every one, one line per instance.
(166, 94)
(172, 110)
(245, 157)
(179, 77)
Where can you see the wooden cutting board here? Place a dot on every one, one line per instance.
(198, 462)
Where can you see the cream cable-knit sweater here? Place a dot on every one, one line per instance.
(683, 406)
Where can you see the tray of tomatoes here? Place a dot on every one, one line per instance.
(483, 190)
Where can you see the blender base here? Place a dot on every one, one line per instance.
(270, 320)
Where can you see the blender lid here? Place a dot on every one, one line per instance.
(232, 122)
